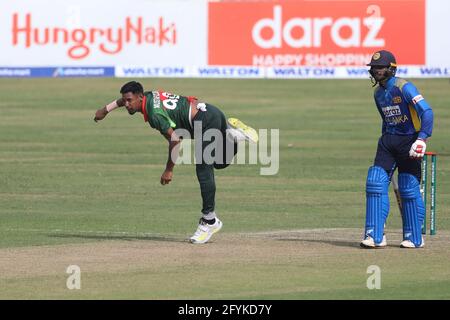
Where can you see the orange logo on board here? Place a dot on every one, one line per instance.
(303, 33)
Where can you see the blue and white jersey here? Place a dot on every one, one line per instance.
(403, 109)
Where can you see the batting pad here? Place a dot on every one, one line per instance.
(377, 202)
(413, 208)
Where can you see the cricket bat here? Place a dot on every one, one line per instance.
(397, 193)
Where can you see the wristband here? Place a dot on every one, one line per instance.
(113, 105)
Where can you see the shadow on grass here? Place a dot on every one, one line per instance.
(125, 237)
(337, 243)
(349, 244)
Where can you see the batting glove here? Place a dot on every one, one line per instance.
(418, 149)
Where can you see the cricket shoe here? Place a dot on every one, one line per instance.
(410, 245)
(369, 243)
(240, 131)
(205, 231)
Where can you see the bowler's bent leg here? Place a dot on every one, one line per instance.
(229, 151)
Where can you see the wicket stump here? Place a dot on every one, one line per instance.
(423, 190)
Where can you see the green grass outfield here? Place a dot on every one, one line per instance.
(70, 185)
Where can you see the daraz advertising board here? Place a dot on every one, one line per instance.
(226, 39)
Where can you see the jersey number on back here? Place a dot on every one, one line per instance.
(169, 100)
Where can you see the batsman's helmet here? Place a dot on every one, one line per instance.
(383, 58)
(386, 59)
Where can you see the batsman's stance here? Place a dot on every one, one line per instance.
(406, 126)
(167, 112)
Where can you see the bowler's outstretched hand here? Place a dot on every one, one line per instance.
(100, 114)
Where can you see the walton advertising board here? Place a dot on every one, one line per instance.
(200, 38)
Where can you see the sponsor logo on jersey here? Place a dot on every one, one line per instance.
(391, 111)
(156, 99)
(417, 98)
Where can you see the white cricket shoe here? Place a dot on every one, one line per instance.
(410, 245)
(205, 231)
(240, 131)
(368, 242)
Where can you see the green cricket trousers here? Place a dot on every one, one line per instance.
(211, 154)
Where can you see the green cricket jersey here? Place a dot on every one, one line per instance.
(164, 110)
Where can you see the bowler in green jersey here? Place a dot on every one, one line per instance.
(177, 117)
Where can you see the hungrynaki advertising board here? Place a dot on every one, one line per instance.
(39, 33)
